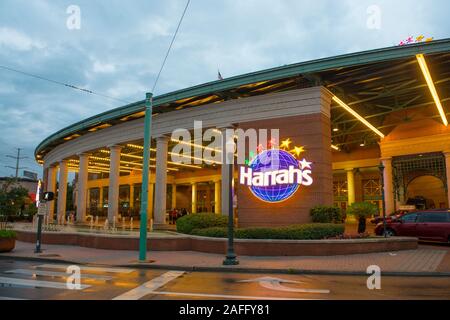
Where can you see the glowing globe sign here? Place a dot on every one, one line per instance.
(275, 175)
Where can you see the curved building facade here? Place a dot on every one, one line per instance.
(340, 117)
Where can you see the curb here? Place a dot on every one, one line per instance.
(228, 269)
(38, 259)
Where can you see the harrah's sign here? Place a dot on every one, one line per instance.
(276, 175)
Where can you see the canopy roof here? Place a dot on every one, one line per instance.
(382, 85)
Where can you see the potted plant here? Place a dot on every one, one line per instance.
(361, 211)
(7, 240)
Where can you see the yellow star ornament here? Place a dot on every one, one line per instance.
(298, 151)
(286, 143)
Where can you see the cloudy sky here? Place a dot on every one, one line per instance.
(120, 46)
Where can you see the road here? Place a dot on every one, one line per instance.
(37, 281)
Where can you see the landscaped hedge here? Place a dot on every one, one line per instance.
(326, 214)
(200, 221)
(214, 232)
(316, 231)
(7, 234)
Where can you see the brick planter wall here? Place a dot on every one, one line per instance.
(242, 247)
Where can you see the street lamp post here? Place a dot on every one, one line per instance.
(381, 167)
(230, 259)
(145, 177)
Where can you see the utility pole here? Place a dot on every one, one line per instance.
(17, 158)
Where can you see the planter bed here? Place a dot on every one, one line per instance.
(245, 247)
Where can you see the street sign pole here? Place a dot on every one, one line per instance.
(41, 213)
(145, 177)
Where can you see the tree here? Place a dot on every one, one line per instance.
(362, 210)
(13, 198)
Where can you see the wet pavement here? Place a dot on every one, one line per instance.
(48, 281)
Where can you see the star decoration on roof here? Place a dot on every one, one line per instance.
(305, 164)
(285, 144)
(297, 151)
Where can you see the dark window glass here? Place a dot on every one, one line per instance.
(433, 217)
(409, 218)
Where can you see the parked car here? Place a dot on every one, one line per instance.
(395, 215)
(432, 225)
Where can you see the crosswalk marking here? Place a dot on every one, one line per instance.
(150, 286)
(86, 268)
(37, 283)
(56, 274)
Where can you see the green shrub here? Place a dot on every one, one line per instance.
(7, 234)
(362, 209)
(326, 214)
(295, 232)
(214, 232)
(315, 231)
(200, 221)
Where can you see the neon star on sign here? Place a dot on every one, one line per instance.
(276, 175)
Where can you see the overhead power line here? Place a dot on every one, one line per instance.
(171, 44)
(71, 86)
(17, 158)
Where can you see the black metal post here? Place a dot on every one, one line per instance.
(230, 259)
(383, 200)
(39, 234)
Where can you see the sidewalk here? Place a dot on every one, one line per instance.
(427, 260)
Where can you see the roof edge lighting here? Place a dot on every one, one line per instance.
(358, 116)
(426, 72)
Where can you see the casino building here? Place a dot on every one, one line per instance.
(341, 117)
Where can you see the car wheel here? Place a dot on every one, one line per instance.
(389, 233)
